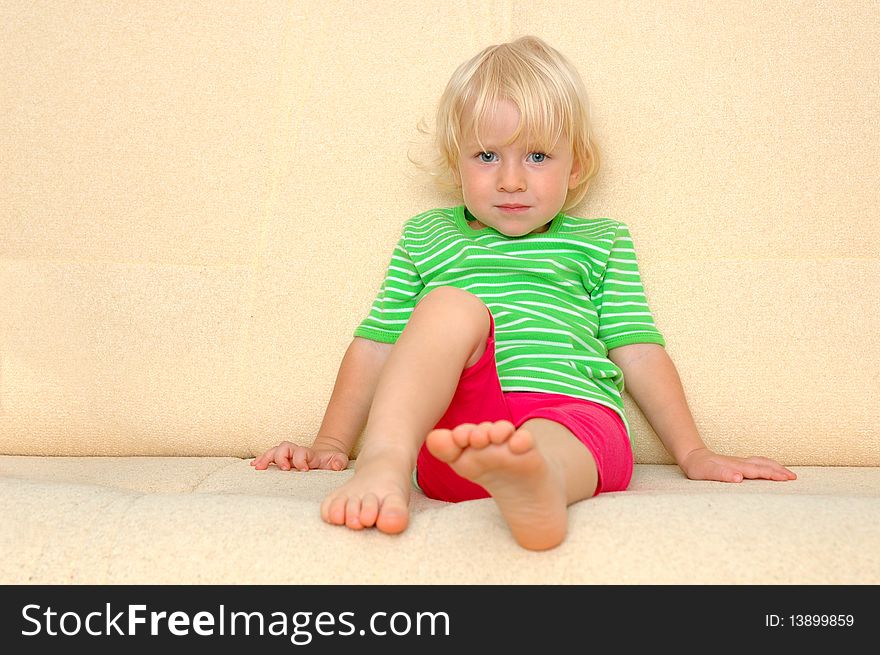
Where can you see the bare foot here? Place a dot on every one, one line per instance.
(375, 496)
(530, 492)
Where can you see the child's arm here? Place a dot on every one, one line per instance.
(345, 416)
(352, 395)
(653, 382)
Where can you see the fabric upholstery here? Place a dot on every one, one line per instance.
(199, 201)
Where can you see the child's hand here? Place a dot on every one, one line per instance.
(703, 464)
(287, 455)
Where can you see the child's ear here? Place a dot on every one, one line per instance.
(575, 174)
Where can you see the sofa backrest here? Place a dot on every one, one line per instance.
(199, 201)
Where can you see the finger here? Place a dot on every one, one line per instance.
(781, 473)
(329, 461)
(778, 470)
(320, 460)
(282, 456)
(727, 474)
(261, 462)
(786, 473)
(733, 476)
(768, 470)
(775, 472)
(300, 458)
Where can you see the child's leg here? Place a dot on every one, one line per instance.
(446, 333)
(533, 473)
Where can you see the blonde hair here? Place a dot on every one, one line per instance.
(546, 89)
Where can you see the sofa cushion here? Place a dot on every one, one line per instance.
(217, 520)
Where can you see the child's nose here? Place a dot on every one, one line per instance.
(511, 178)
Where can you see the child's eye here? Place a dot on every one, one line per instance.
(538, 157)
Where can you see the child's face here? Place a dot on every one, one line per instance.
(510, 175)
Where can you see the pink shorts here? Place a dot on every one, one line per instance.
(479, 398)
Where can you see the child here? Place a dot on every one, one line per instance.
(493, 359)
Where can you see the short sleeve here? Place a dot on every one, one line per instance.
(396, 299)
(624, 316)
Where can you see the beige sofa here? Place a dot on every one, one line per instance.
(199, 201)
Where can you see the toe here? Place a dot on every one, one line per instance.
(521, 442)
(500, 431)
(462, 434)
(333, 510)
(441, 445)
(353, 514)
(480, 435)
(393, 514)
(369, 509)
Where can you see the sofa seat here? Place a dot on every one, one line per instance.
(164, 520)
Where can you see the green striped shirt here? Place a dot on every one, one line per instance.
(561, 299)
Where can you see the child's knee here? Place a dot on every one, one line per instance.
(455, 305)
